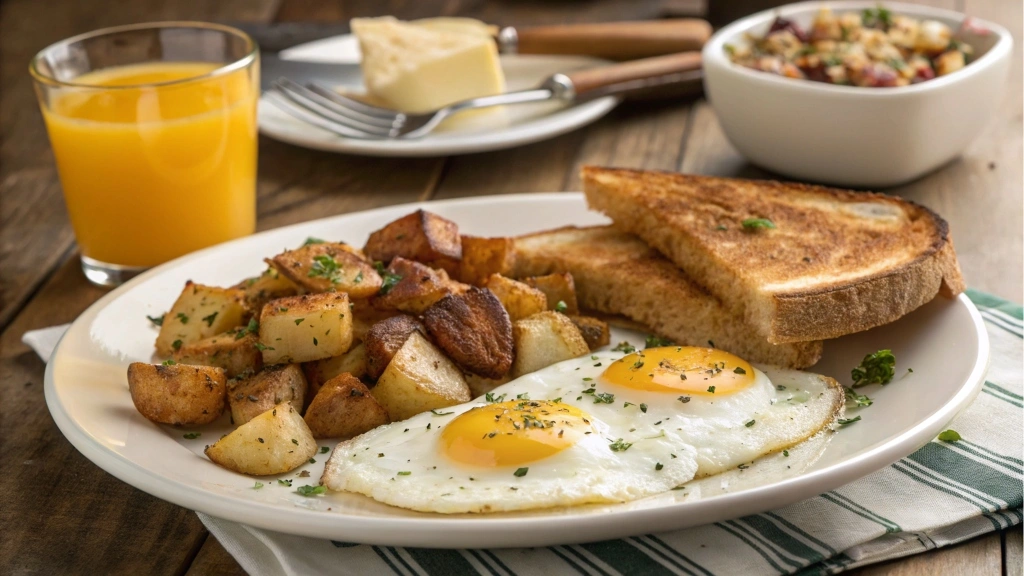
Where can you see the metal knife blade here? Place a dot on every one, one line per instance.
(304, 71)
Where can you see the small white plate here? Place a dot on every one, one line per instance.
(86, 391)
(505, 128)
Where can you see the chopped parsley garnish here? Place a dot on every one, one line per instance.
(312, 460)
(684, 399)
(643, 408)
(209, 319)
(785, 453)
(876, 368)
(176, 345)
(257, 485)
(313, 240)
(358, 278)
(169, 362)
(436, 413)
(191, 435)
(656, 341)
(182, 317)
(252, 328)
(739, 370)
(156, 320)
(325, 267)
(523, 396)
(860, 400)
(315, 343)
(490, 397)
(404, 473)
(324, 449)
(625, 347)
(261, 346)
(755, 223)
(604, 398)
(620, 446)
(711, 389)
(638, 365)
(561, 306)
(520, 472)
(285, 482)
(848, 421)
(299, 321)
(390, 279)
(750, 423)
(949, 436)
(308, 490)
(659, 466)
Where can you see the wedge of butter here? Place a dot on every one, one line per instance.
(427, 64)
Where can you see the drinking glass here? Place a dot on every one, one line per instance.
(153, 128)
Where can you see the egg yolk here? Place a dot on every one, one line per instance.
(681, 370)
(513, 432)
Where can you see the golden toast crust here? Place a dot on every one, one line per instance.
(835, 262)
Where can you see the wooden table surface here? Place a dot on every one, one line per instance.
(61, 514)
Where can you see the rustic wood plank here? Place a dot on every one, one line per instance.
(214, 560)
(1013, 552)
(34, 230)
(978, 557)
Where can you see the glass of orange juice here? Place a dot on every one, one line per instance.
(153, 127)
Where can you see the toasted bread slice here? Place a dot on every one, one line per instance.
(617, 273)
(798, 262)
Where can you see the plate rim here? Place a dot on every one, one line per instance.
(489, 531)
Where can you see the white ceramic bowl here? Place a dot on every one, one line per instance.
(853, 136)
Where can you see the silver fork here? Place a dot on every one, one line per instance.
(325, 108)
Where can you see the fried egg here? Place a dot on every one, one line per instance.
(609, 427)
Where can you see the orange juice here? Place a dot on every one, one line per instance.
(155, 165)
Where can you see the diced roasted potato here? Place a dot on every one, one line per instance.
(519, 299)
(275, 442)
(474, 330)
(482, 257)
(420, 236)
(344, 408)
(329, 267)
(385, 338)
(419, 378)
(235, 352)
(305, 328)
(177, 394)
(199, 312)
(478, 385)
(560, 290)
(352, 362)
(253, 395)
(411, 287)
(545, 339)
(266, 287)
(594, 330)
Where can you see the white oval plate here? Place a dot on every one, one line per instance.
(86, 391)
(511, 126)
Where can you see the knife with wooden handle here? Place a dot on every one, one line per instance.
(611, 40)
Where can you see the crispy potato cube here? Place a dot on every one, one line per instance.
(594, 330)
(253, 395)
(474, 330)
(344, 408)
(545, 339)
(305, 328)
(411, 287)
(478, 385)
(385, 338)
(329, 267)
(420, 236)
(419, 378)
(352, 362)
(177, 394)
(236, 355)
(482, 257)
(560, 291)
(266, 287)
(199, 312)
(519, 299)
(275, 442)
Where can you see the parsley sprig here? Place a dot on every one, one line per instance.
(876, 368)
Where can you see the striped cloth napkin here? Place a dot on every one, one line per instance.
(942, 494)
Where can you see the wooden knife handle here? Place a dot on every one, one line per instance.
(616, 40)
(636, 75)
